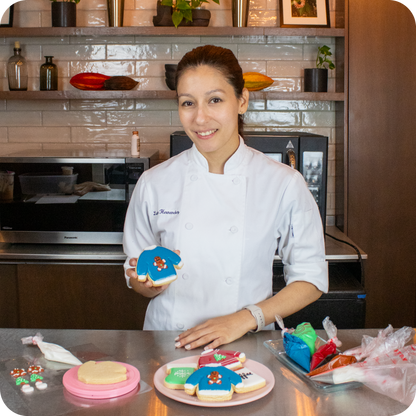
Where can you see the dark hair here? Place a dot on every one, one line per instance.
(221, 59)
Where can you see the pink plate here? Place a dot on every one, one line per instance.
(237, 399)
(101, 391)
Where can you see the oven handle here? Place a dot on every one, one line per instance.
(292, 158)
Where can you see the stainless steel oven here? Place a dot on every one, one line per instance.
(69, 196)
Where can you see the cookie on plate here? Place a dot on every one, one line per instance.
(229, 359)
(177, 375)
(213, 384)
(102, 372)
(251, 381)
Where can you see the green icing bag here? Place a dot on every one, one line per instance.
(307, 334)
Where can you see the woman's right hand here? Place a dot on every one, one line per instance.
(146, 288)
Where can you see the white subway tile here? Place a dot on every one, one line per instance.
(101, 134)
(38, 105)
(254, 66)
(3, 135)
(32, 5)
(285, 68)
(262, 18)
(286, 85)
(169, 105)
(95, 18)
(74, 118)
(74, 146)
(270, 118)
(20, 118)
(56, 40)
(138, 118)
(109, 68)
(139, 18)
(39, 134)
(92, 5)
(8, 148)
(145, 4)
(75, 52)
(318, 118)
(97, 40)
(278, 105)
(276, 52)
(27, 19)
(98, 105)
(154, 83)
(159, 51)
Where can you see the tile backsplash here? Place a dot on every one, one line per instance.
(108, 124)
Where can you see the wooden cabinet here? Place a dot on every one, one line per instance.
(76, 296)
(9, 303)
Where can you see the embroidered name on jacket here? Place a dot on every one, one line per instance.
(165, 212)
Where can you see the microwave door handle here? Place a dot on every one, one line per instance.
(292, 158)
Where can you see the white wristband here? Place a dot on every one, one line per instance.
(258, 316)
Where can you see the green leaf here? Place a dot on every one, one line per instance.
(331, 66)
(187, 14)
(177, 18)
(183, 6)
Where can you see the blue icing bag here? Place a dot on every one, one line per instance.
(297, 350)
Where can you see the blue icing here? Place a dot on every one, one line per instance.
(158, 263)
(207, 381)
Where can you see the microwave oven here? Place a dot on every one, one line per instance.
(305, 152)
(69, 197)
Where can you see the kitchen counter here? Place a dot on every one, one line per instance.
(335, 251)
(149, 350)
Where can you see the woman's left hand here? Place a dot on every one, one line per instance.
(217, 331)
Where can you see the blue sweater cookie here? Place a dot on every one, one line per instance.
(158, 264)
(213, 384)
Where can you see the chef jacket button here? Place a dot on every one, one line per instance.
(194, 178)
(185, 276)
(236, 181)
(229, 281)
(189, 226)
(233, 229)
(180, 326)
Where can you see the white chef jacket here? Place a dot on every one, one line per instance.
(227, 228)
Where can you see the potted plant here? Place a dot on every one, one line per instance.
(64, 13)
(182, 13)
(316, 79)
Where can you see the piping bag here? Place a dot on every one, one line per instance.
(330, 347)
(52, 352)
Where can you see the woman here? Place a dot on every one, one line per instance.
(227, 208)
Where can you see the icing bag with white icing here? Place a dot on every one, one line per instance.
(52, 352)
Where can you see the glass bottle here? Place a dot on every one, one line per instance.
(17, 70)
(48, 75)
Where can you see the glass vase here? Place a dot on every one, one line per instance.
(17, 71)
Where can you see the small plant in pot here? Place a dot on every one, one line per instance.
(316, 79)
(64, 13)
(182, 12)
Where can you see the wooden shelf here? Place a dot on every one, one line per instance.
(157, 95)
(167, 31)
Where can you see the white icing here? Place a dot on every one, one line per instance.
(170, 366)
(150, 248)
(248, 378)
(214, 392)
(40, 385)
(26, 388)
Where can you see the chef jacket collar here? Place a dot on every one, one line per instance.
(236, 161)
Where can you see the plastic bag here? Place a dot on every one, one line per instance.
(338, 361)
(279, 321)
(322, 352)
(297, 350)
(368, 344)
(331, 331)
(306, 333)
(52, 352)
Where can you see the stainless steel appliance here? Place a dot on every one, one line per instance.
(53, 203)
(303, 151)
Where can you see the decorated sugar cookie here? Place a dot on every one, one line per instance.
(251, 381)
(35, 369)
(18, 372)
(224, 358)
(177, 375)
(159, 265)
(213, 384)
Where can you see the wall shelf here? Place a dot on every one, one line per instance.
(157, 95)
(167, 31)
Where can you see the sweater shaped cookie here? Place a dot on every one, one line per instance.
(224, 358)
(213, 384)
(158, 264)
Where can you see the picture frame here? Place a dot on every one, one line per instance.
(7, 18)
(304, 13)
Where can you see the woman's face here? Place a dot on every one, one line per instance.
(208, 110)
